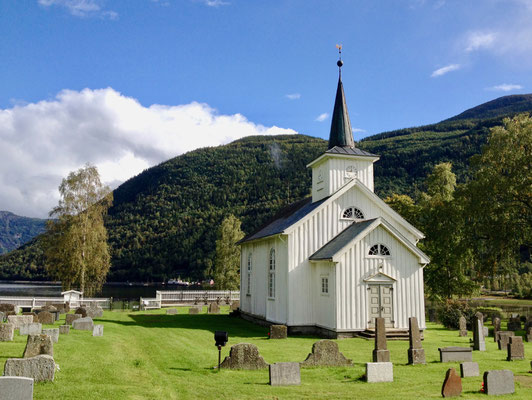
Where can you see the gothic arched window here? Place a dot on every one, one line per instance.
(379, 250)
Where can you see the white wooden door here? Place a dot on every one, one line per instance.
(380, 301)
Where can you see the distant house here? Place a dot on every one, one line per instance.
(331, 263)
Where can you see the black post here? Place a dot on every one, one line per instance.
(219, 356)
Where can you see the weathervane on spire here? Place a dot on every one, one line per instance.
(340, 62)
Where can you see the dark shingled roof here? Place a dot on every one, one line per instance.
(339, 241)
(351, 151)
(285, 218)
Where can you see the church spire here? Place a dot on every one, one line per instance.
(341, 132)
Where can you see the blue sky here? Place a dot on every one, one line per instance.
(86, 67)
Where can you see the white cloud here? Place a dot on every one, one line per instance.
(41, 142)
(322, 117)
(215, 3)
(293, 96)
(505, 87)
(82, 8)
(445, 70)
(358, 130)
(479, 40)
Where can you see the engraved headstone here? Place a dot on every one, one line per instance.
(37, 345)
(380, 353)
(7, 331)
(326, 353)
(46, 318)
(71, 318)
(516, 348)
(16, 387)
(53, 333)
(83, 324)
(214, 308)
(514, 324)
(478, 335)
(499, 382)
(496, 327)
(64, 329)
(379, 372)
(468, 369)
(416, 353)
(452, 354)
(244, 356)
(95, 311)
(34, 328)
(285, 373)
(19, 320)
(195, 309)
(235, 305)
(504, 339)
(278, 332)
(463, 326)
(171, 311)
(97, 330)
(452, 385)
(40, 368)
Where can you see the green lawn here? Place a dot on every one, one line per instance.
(151, 355)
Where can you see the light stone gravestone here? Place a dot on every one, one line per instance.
(34, 328)
(64, 329)
(380, 353)
(504, 339)
(83, 324)
(244, 356)
(496, 327)
(35, 319)
(498, 382)
(7, 332)
(16, 388)
(379, 372)
(529, 334)
(53, 333)
(452, 384)
(480, 317)
(326, 353)
(486, 332)
(195, 310)
(452, 354)
(40, 368)
(214, 308)
(37, 345)
(285, 373)
(19, 320)
(95, 311)
(516, 348)
(2, 316)
(278, 332)
(97, 330)
(469, 369)
(416, 353)
(463, 327)
(171, 311)
(71, 318)
(478, 335)
(235, 305)
(46, 318)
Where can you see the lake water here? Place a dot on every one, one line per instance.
(122, 292)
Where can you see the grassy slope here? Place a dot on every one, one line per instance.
(149, 355)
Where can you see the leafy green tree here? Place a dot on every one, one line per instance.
(405, 206)
(227, 261)
(76, 241)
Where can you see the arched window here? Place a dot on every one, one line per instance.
(379, 250)
(271, 275)
(249, 274)
(352, 213)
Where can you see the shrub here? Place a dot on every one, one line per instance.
(451, 312)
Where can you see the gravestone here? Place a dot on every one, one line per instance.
(452, 354)
(496, 327)
(480, 317)
(380, 353)
(504, 339)
(285, 373)
(71, 318)
(5, 307)
(16, 388)
(514, 324)
(82, 311)
(19, 320)
(416, 353)
(463, 326)
(49, 308)
(325, 353)
(499, 382)
(214, 308)
(379, 372)
(53, 333)
(235, 305)
(278, 332)
(529, 334)
(40, 368)
(2, 316)
(83, 324)
(64, 329)
(95, 311)
(452, 384)
(486, 332)
(171, 311)
(195, 310)
(34, 328)
(97, 330)
(46, 318)
(32, 314)
(478, 334)
(468, 369)
(516, 348)
(244, 356)
(7, 332)
(37, 345)
(63, 308)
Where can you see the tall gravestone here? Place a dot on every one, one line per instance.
(516, 348)
(416, 353)
(479, 342)
(480, 316)
(381, 352)
(496, 327)
(463, 326)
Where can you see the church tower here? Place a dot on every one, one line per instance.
(342, 162)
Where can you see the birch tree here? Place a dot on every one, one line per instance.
(227, 262)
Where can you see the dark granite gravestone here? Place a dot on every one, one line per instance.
(496, 327)
(285, 373)
(499, 382)
(416, 353)
(452, 353)
(278, 332)
(504, 339)
(46, 318)
(37, 345)
(82, 311)
(244, 356)
(463, 326)
(325, 353)
(514, 324)
(380, 353)
(452, 384)
(479, 342)
(516, 348)
(468, 369)
(214, 308)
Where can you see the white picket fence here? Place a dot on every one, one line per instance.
(169, 298)
(36, 302)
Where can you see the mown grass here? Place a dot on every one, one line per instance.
(151, 355)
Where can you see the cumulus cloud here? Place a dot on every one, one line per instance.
(445, 70)
(322, 117)
(41, 142)
(506, 87)
(81, 8)
(293, 96)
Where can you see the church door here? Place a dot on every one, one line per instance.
(380, 302)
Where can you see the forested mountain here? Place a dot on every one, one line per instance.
(16, 230)
(163, 222)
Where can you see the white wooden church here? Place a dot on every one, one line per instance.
(331, 263)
